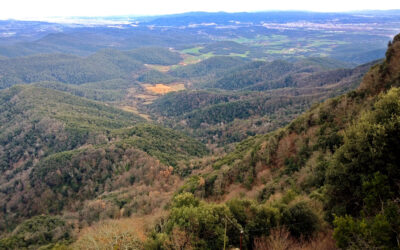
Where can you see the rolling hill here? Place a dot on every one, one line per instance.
(220, 116)
(44, 131)
(210, 66)
(104, 65)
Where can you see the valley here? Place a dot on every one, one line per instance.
(181, 131)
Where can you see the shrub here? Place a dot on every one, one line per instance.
(377, 232)
(199, 225)
(300, 220)
(113, 234)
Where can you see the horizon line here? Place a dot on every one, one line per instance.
(192, 12)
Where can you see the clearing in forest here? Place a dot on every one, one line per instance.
(162, 89)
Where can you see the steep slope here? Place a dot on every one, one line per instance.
(319, 130)
(338, 161)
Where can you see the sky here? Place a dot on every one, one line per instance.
(39, 9)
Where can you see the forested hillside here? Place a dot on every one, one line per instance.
(337, 163)
(54, 142)
(224, 116)
(104, 65)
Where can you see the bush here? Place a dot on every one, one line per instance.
(185, 200)
(112, 234)
(377, 232)
(193, 223)
(300, 220)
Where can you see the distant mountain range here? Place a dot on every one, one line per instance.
(18, 38)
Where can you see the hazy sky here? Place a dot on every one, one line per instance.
(25, 9)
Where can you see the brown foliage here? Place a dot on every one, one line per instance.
(280, 239)
(179, 240)
(114, 234)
